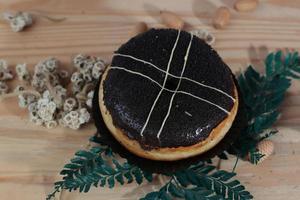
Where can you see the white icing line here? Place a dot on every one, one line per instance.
(137, 59)
(137, 73)
(163, 86)
(210, 87)
(178, 85)
(187, 113)
(224, 110)
(182, 92)
(185, 78)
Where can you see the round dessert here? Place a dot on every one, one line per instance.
(167, 95)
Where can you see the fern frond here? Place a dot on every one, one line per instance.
(201, 181)
(173, 190)
(92, 168)
(263, 95)
(219, 181)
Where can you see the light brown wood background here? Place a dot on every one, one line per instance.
(31, 156)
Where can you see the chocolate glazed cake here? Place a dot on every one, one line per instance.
(168, 96)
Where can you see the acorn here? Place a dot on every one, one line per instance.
(171, 20)
(139, 27)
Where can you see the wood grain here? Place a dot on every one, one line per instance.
(31, 156)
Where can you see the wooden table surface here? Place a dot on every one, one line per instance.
(31, 156)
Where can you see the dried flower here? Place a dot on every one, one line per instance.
(19, 88)
(70, 104)
(32, 107)
(204, 35)
(89, 70)
(74, 119)
(18, 21)
(3, 88)
(79, 61)
(46, 109)
(5, 73)
(98, 68)
(33, 117)
(22, 72)
(89, 100)
(45, 71)
(49, 104)
(51, 124)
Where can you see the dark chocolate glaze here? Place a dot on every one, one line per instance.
(104, 137)
(129, 97)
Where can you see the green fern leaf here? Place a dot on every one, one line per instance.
(220, 182)
(175, 191)
(263, 95)
(92, 168)
(255, 156)
(151, 196)
(111, 182)
(120, 179)
(138, 175)
(129, 177)
(269, 65)
(148, 176)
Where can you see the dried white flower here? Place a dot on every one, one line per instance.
(26, 99)
(61, 122)
(98, 68)
(87, 77)
(46, 109)
(33, 117)
(210, 39)
(204, 35)
(30, 98)
(38, 81)
(74, 119)
(84, 116)
(53, 79)
(89, 70)
(60, 91)
(70, 104)
(46, 94)
(89, 101)
(51, 124)
(71, 120)
(5, 73)
(19, 20)
(19, 88)
(22, 101)
(45, 71)
(51, 65)
(22, 72)
(76, 76)
(32, 107)
(88, 65)
(3, 88)
(79, 61)
(90, 95)
(49, 106)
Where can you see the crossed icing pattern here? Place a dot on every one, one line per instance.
(163, 86)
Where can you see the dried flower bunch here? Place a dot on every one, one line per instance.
(204, 35)
(19, 20)
(5, 75)
(45, 94)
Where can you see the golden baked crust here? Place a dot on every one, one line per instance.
(167, 154)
